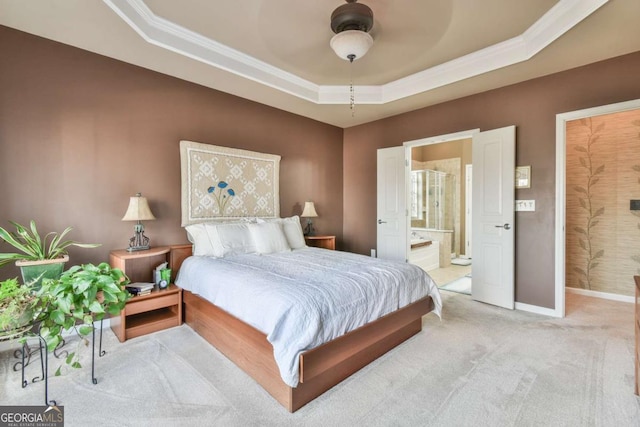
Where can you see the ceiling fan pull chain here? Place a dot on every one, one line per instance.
(352, 94)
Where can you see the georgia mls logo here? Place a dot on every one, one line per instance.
(32, 416)
(56, 409)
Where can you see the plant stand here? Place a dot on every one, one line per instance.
(101, 352)
(44, 364)
(25, 352)
(59, 352)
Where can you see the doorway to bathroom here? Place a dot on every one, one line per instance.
(440, 229)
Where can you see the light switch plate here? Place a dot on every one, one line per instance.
(525, 205)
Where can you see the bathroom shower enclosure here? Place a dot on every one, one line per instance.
(432, 200)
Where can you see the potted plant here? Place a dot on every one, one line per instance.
(81, 295)
(19, 306)
(38, 258)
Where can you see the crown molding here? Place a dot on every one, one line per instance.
(168, 35)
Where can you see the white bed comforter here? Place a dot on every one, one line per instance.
(306, 297)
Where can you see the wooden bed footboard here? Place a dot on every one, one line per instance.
(320, 368)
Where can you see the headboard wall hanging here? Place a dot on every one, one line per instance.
(221, 183)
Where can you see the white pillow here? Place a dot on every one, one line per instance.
(269, 237)
(293, 232)
(231, 239)
(197, 234)
(219, 240)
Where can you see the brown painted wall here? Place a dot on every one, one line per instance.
(531, 106)
(80, 133)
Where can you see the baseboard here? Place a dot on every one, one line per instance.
(551, 312)
(14, 344)
(106, 324)
(603, 295)
(537, 309)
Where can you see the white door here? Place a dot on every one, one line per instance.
(493, 217)
(468, 203)
(392, 208)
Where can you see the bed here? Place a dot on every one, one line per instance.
(297, 320)
(231, 213)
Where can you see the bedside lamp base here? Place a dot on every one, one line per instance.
(308, 230)
(139, 242)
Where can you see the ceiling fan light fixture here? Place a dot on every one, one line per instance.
(351, 22)
(351, 44)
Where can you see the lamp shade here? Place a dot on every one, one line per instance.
(138, 209)
(351, 44)
(309, 210)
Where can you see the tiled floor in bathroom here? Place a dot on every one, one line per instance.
(442, 276)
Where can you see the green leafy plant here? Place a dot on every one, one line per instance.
(82, 295)
(32, 247)
(18, 308)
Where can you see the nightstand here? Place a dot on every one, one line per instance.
(325, 242)
(161, 309)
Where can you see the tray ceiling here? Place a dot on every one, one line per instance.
(277, 52)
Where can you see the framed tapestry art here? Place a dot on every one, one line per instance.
(221, 183)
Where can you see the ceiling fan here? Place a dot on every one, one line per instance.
(351, 22)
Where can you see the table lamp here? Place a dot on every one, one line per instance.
(309, 212)
(138, 210)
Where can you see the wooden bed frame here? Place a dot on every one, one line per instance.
(320, 368)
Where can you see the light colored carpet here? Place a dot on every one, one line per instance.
(479, 366)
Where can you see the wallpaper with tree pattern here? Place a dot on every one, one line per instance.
(602, 176)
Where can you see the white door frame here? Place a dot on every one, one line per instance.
(441, 138)
(561, 161)
(408, 145)
(468, 208)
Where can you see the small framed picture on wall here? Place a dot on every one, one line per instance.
(523, 177)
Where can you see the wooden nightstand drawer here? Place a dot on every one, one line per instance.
(135, 307)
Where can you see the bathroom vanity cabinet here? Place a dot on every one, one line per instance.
(425, 254)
